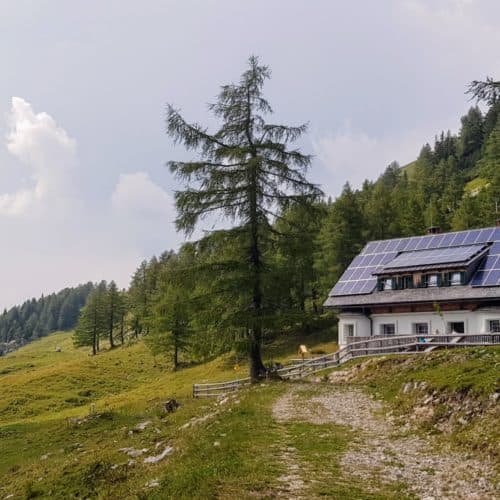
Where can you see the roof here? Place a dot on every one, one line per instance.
(460, 256)
(435, 251)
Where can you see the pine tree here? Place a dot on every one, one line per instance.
(340, 238)
(170, 328)
(111, 310)
(245, 172)
(92, 323)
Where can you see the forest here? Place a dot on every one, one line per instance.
(268, 272)
(271, 271)
(36, 318)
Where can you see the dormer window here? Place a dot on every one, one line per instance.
(433, 280)
(456, 278)
(388, 284)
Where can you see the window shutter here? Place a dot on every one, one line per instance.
(447, 279)
(425, 279)
(462, 277)
(439, 279)
(380, 284)
(394, 284)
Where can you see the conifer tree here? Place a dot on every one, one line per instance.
(171, 306)
(246, 173)
(92, 324)
(112, 310)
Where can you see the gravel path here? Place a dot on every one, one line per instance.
(379, 454)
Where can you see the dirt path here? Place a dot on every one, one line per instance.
(378, 453)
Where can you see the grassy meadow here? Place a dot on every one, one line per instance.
(64, 416)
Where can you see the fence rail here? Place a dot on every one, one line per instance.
(369, 346)
(218, 388)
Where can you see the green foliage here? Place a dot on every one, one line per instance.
(247, 174)
(171, 306)
(103, 317)
(38, 317)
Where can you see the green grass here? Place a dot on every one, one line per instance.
(455, 374)
(47, 454)
(64, 416)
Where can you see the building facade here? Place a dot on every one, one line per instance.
(433, 284)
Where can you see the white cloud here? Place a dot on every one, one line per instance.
(46, 150)
(56, 235)
(137, 195)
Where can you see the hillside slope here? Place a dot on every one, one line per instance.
(73, 425)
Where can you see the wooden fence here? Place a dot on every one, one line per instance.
(219, 388)
(404, 344)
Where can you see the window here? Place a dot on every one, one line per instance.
(387, 329)
(407, 281)
(432, 280)
(456, 278)
(494, 325)
(421, 328)
(349, 330)
(388, 284)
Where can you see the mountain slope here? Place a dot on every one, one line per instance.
(65, 416)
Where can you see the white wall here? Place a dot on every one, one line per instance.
(474, 322)
(360, 322)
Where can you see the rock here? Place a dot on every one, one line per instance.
(216, 444)
(142, 425)
(463, 421)
(133, 452)
(494, 397)
(131, 463)
(170, 406)
(407, 387)
(58, 349)
(154, 483)
(155, 459)
(223, 401)
(44, 457)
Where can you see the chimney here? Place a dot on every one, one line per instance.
(434, 230)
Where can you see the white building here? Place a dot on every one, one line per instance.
(438, 283)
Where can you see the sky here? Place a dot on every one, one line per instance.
(84, 191)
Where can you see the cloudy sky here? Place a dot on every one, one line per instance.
(84, 194)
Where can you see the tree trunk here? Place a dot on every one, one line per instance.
(111, 324)
(257, 368)
(94, 343)
(176, 355)
(122, 327)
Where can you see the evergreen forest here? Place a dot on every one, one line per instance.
(36, 318)
(269, 273)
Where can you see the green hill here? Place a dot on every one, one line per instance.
(64, 416)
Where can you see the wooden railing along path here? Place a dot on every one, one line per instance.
(369, 346)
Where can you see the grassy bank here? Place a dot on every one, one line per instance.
(64, 414)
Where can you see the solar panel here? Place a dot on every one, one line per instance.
(378, 254)
(488, 273)
(435, 256)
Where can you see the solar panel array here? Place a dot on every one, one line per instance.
(435, 256)
(359, 279)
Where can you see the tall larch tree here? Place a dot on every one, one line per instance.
(246, 173)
